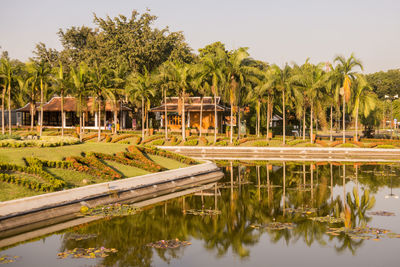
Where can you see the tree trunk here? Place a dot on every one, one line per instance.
(304, 122)
(9, 109)
(311, 124)
(115, 119)
(2, 110)
(357, 125)
(143, 119)
(147, 121)
(62, 112)
(215, 119)
(344, 120)
(80, 118)
(41, 107)
(165, 115)
(99, 122)
(331, 139)
(183, 118)
(268, 115)
(231, 128)
(32, 114)
(258, 118)
(238, 122)
(283, 117)
(201, 116)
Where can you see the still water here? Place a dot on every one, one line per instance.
(261, 215)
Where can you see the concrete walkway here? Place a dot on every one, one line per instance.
(46, 201)
(288, 153)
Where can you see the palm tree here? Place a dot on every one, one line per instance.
(140, 86)
(41, 70)
(99, 85)
(345, 67)
(333, 87)
(164, 79)
(80, 80)
(215, 65)
(61, 83)
(281, 81)
(363, 99)
(311, 78)
(7, 74)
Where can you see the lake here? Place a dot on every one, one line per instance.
(258, 214)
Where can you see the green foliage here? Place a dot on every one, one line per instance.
(8, 136)
(158, 142)
(222, 143)
(192, 142)
(261, 143)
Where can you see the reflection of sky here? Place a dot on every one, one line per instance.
(262, 253)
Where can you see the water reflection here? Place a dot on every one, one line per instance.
(250, 193)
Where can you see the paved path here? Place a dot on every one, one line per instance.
(288, 153)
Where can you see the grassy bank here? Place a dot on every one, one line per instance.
(74, 177)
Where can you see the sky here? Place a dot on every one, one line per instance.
(284, 31)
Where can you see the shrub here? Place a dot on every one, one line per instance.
(158, 142)
(175, 141)
(10, 136)
(167, 154)
(385, 146)
(347, 145)
(152, 138)
(221, 143)
(30, 184)
(261, 143)
(295, 142)
(204, 140)
(108, 139)
(138, 140)
(122, 137)
(192, 142)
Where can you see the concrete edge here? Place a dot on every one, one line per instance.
(76, 194)
(350, 149)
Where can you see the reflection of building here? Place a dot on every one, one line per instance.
(192, 113)
(52, 113)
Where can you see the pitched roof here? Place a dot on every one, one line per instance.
(191, 104)
(70, 104)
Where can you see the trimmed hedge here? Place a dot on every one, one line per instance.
(167, 154)
(192, 142)
(158, 142)
(122, 137)
(30, 184)
(152, 138)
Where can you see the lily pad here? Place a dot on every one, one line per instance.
(112, 210)
(78, 237)
(88, 253)
(301, 210)
(4, 259)
(273, 226)
(164, 244)
(382, 213)
(327, 219)
(365, 233)
(202, 212)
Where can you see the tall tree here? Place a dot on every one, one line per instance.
(363, 100)
(140, 86)
(61, 80)
(346, 68)
(215, 65)
(281, 81)
(7, 73)
(80, 80)
(41, 70)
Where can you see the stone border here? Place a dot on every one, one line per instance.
(65, 197)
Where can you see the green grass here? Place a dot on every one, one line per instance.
(73, 178)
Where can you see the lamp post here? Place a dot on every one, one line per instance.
(391, 195)
(391, 98)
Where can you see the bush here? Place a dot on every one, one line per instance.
(122, 137)
(138, 140)
(152, 138)
(167, 154)
(261, 143)
(295, 142)
(203, 140)
(10, 136)
(221, 143)
(192, 142)
(108, 139)
(158, 142)
(385, 146)
(347, 145)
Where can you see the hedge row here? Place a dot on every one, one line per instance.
(135, 153)
(93, 166)
(192, 142)
(152, 138)
(53, 182)
(167, 154)
(122, 137)
(30, 184)
(122, 157)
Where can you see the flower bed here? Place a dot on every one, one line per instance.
(53, 182)
(158, 142)
(203, 140)
(30, 184)
(135, 153)
(152, 138)
(192, 142)
(122, 157)
(92, 136)
(93, 166)
(45, 141)
(167, 154)
(122, 137)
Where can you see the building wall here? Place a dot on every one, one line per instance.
(208, 120)
(13, 117)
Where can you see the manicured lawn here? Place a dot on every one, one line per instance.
(72, 178)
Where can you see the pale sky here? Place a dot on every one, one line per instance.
(275, 31)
